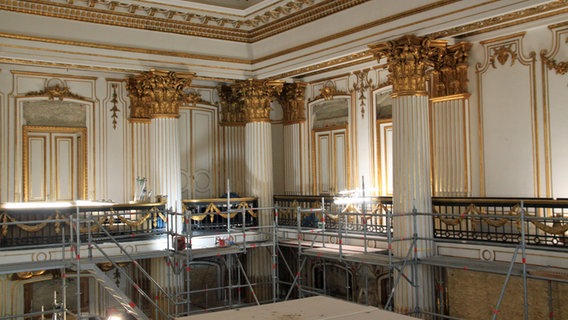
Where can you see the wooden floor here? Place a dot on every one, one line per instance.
(313, 308)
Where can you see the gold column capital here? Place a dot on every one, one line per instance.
(449, 76)
(255, 96)
(293, 100)
(157, 94)
(408, 59)
(231, 112)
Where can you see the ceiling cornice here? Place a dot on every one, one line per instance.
(215, 25)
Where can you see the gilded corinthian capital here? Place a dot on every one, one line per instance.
(408, 60)
(293, 100)
(449, 76)
(231, 111)
(157, 93)
(255, 97)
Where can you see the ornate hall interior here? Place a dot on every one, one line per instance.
(283, 159)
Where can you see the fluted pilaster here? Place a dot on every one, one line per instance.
(450, 139)
(293, 158)
(140, 149)
(292, 99)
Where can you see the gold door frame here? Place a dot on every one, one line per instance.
(82, 152)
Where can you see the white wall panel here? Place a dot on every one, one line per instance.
(507, 109)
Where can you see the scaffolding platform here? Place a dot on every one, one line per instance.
(312, 308)
(497, 267)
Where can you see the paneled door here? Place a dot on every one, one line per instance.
(54, 163)
(199, 155)
(331, 169)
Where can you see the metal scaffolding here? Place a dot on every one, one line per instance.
(186, 248)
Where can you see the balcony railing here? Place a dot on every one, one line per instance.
(488, 220)
(357, 216)
(217, 214)
(500, 220)
(37, 225)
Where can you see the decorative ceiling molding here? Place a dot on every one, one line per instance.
(216, 25)
(461, 32)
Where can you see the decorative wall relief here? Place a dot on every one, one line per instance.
(361, 86)
(114, 108)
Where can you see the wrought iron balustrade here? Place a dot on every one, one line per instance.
(356, 216)
(215, 214)
(500, 220)
(27, 226)
(489, 220)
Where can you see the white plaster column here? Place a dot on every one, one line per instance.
(411, 158)
(255, 97)
(165, 174)
(258, 159)
(408, 59)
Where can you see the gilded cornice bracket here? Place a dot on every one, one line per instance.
(361, 86)
(408, 60)
(293, 99)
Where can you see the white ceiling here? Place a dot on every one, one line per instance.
(232, 4)
(222, 6)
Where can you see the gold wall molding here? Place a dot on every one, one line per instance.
(293, 99)
(157, 94)
(408, 59)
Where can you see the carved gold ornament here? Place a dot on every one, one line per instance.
(256, 96)
(361, 86)
(561, 68)
(408, 60)
(293, 101)
(57, 91)
(157, 93)
(502, 54)
(114, 108)
(449, 76)
(248, 101)
(231, 111)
